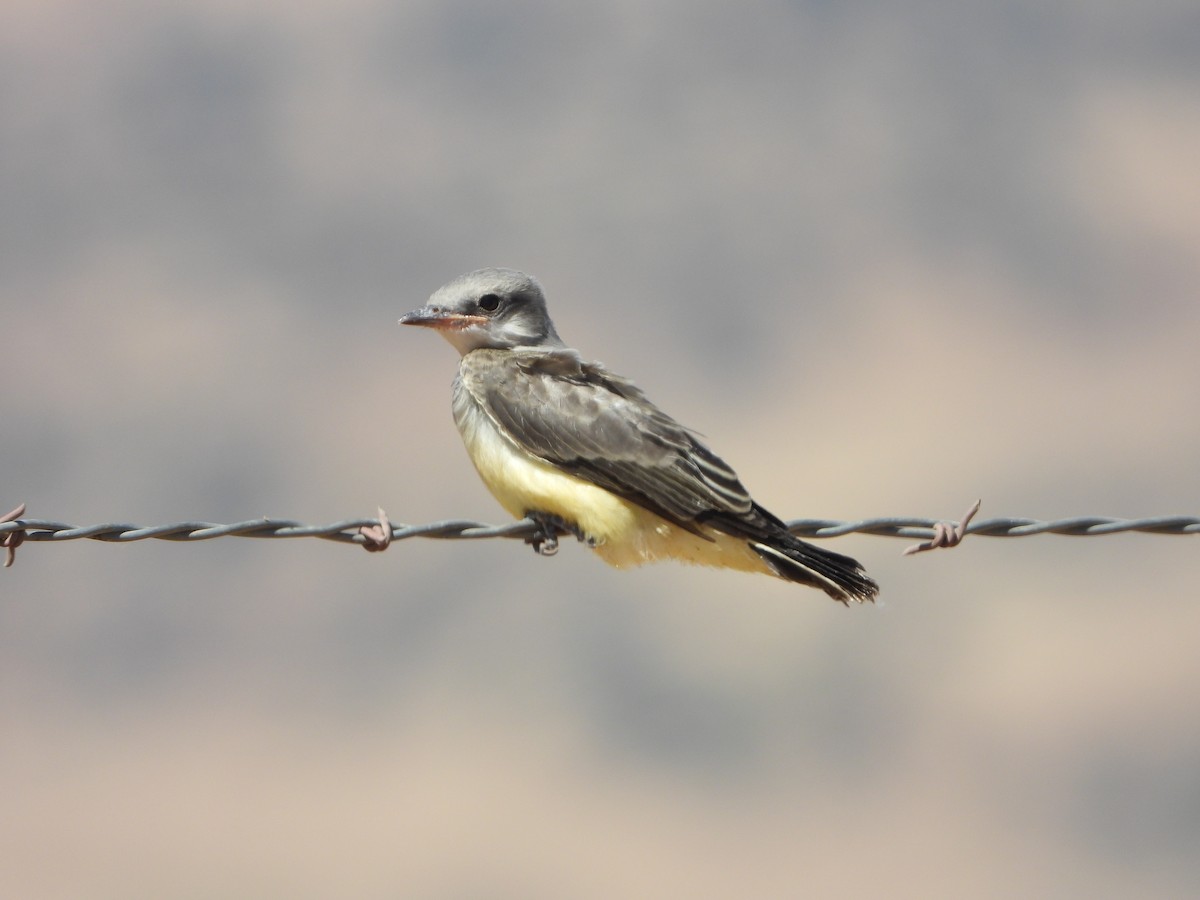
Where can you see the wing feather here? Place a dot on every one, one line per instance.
(600, 427)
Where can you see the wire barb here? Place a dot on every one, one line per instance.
(377, 537)
(12, 540)
(14, 529)
(946, 534)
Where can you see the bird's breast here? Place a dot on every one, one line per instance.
(524, 482)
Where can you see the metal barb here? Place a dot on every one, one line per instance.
(12, 540)
(377, 537)
(946, 534)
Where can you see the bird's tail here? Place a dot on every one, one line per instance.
(841, 577)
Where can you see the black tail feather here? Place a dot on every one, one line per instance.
(841, 577)
(792, 559)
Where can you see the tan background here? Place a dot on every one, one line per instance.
(888, 257)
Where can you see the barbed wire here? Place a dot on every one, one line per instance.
(376, 533)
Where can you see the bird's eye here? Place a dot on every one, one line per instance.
(489, 303)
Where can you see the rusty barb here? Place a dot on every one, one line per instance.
(12, 540)
(946, 534)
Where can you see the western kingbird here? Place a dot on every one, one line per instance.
(578, 449)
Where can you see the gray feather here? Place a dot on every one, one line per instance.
(600, 427)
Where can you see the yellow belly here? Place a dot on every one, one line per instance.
(522, 483)
(625, 533)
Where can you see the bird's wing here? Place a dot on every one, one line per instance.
(600, 427)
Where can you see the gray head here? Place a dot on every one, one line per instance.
(489, 308)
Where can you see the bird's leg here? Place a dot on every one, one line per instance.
(550, 528)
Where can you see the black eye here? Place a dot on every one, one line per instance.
(489, 303)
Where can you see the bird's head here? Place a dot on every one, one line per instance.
(499, 309)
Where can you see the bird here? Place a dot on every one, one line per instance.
(581, 450)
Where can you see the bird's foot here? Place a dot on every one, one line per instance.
(550, 529)
(545, 540)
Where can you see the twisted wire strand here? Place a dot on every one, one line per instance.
(1078, 526)
(347, 530)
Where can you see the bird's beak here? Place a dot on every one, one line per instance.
(443, 320)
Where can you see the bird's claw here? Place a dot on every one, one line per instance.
(544, 544)
(550, 529)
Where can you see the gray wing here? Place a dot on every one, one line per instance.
(600, 427)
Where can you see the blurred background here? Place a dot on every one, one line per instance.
(887, 257)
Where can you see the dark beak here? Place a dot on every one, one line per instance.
(443, 320)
